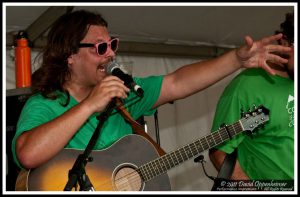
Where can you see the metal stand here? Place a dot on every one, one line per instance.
(156, 128)
(77, 173)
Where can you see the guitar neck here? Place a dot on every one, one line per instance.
(162, 164)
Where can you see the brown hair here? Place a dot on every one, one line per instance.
(62, 41)
(287, 28)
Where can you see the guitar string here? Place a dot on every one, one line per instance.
(132, 176)
(135, 177)
(213, 135)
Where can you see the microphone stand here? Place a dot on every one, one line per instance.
(156, 128)
(77, 173)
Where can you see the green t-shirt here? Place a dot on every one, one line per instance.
(39, 110)
(269, 154)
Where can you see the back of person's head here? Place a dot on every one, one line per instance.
(287, 28)
(62, 41)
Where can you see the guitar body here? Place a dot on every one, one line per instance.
(112, 169)
(132, 163)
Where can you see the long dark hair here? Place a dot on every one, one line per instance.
(62, 41)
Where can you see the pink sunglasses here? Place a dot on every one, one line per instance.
(102, 47)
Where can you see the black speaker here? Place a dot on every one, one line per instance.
(15, 100)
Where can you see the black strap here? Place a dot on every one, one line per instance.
(228, 165)
(226, 169)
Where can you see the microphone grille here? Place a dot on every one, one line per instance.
(111, 66)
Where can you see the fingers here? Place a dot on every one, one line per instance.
(110, 87)
(256, 54)
(278, 54)
(249, 41)
(243, 53)
(113, 87)
(270, 39)
(278, 48)
(267, 68)
(276, 59)
(115, 91)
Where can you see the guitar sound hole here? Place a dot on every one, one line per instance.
(126, 178)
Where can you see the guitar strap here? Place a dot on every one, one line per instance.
(228, 165)
(226, 169)
(137, 128)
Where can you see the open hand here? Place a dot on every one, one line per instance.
(256, 54)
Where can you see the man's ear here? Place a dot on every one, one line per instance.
(70, 60)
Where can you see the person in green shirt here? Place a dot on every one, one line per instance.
(267, 154)
(72, 87)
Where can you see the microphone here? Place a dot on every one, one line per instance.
(115, 69)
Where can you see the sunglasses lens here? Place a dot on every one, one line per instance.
(114, 45)
(102, 48)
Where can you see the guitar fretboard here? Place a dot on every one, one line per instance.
(162, 164)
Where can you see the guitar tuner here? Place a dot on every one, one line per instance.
(243, 113)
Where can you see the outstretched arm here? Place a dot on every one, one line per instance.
(193, 78)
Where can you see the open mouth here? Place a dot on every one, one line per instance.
(101, 68)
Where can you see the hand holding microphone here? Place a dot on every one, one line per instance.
(115, 69)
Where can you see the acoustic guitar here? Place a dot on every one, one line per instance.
(131, 163)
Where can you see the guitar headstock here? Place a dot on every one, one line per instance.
(255, 118)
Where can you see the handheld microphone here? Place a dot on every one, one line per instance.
(115, 69)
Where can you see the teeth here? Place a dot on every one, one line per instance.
(101, 68)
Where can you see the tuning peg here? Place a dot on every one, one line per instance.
(222, 125)
(254, 113)
(243, 114)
